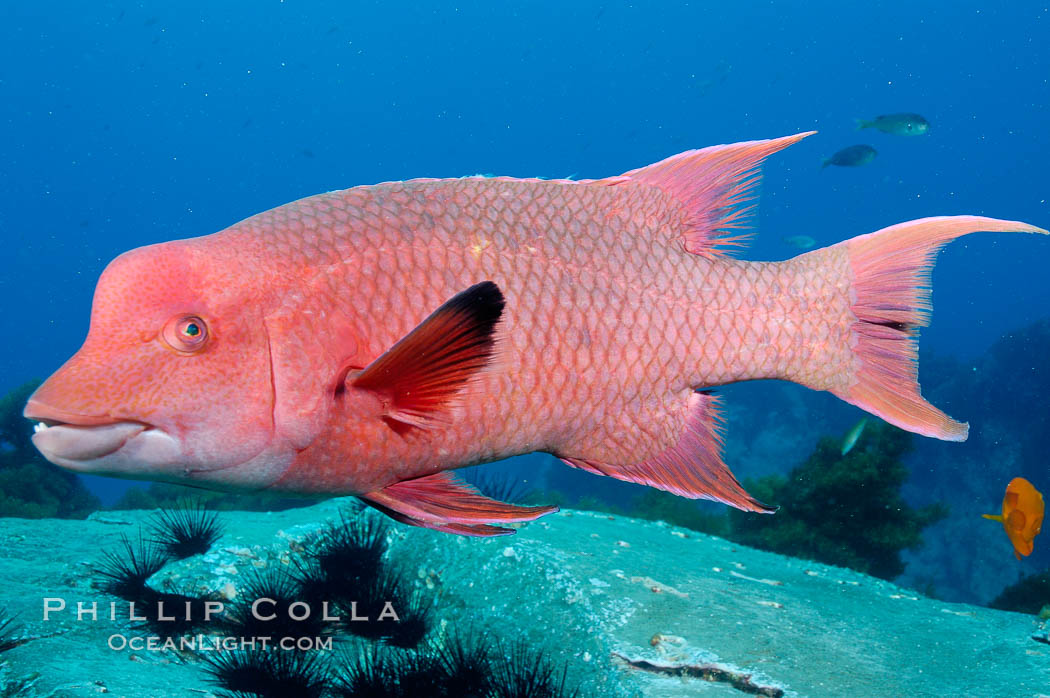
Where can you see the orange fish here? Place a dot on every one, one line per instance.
(1022, 516)
(368, 341)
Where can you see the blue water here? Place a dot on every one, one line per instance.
(127, 123)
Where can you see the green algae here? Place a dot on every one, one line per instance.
(30, 487)
(840, 509)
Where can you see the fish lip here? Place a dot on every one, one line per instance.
(56, 435)
(54, 417)
(78, 447)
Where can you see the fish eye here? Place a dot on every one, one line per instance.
(186, 333)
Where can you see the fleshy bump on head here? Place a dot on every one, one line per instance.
(177, 348)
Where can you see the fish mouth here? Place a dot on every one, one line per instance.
(84, 443)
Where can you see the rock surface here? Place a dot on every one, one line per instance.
(634, 608)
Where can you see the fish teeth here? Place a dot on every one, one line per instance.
(39, 427)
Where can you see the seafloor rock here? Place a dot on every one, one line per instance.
(634, 608)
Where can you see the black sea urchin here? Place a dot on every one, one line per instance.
(349, 553)
(465, 664)
(460, 668)
(376, 672)
(7, 632)
(389, 610)
(415, 616)
(171, 615)
(345, 567)
(523, 672)
(185, 530)
(268, 604)
(269, 673)
(125, 573)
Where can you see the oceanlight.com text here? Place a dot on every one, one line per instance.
(209, 643)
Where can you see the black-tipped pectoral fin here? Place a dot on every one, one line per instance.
(423, 372)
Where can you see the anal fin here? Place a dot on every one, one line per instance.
(443, 502)
(692, 467)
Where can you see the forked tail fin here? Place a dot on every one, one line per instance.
(890, 302)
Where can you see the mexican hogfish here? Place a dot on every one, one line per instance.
(369, 341)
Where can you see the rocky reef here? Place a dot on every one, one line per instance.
(632, 608)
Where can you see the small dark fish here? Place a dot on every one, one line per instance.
(704, 86)
(850, 440)
(150, 22)
(853, 156)
(801, 242)
(897, 124)
(307, 153)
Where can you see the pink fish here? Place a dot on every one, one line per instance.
(369, 341)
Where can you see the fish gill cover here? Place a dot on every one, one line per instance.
(130, 124)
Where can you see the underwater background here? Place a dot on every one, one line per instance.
(126, 124)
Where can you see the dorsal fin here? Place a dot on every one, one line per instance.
(714, 184)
